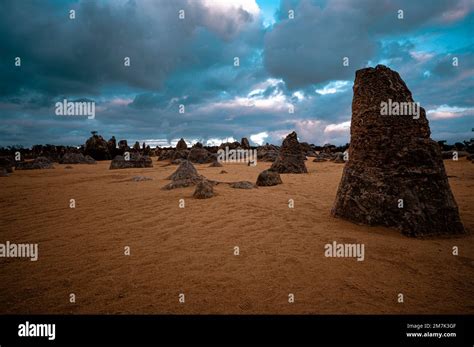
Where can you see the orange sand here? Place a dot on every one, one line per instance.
(190, 250)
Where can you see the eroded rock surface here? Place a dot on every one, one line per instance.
(291, 157)
(395, 174)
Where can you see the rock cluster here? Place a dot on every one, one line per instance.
(231, 145)
(136, 161)
(39, 163)
(76, 158)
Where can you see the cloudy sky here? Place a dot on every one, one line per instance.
(283, 62)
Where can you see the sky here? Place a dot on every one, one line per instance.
(182, 57)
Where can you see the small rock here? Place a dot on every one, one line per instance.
(141, 178)
(204, 190)
(242, 185)
(216, 164)
(268, 178)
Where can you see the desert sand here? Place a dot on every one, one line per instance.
(191, 250)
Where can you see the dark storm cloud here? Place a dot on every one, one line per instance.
(310, 48)
(190, 62)
(61, 55)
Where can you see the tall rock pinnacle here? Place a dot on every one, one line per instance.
(395, 174)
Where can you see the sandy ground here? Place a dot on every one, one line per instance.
(191, 250)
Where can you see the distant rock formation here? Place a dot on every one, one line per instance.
(123, 147)
(395, 174)
(136, 161)
(268, 178)
(267, 153)
(7, 163)
(181, 152)
(97, 147)
(76, 158)
(204, 190)
(307, 149)
(291, 157)
(112, 147)
(324, 156)
(200, 156)
(39, 163)
(231, 145)
(146, 150)
(181, 145)
(339, 159)
(136, 147)
(451, 154)
(244, 143)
